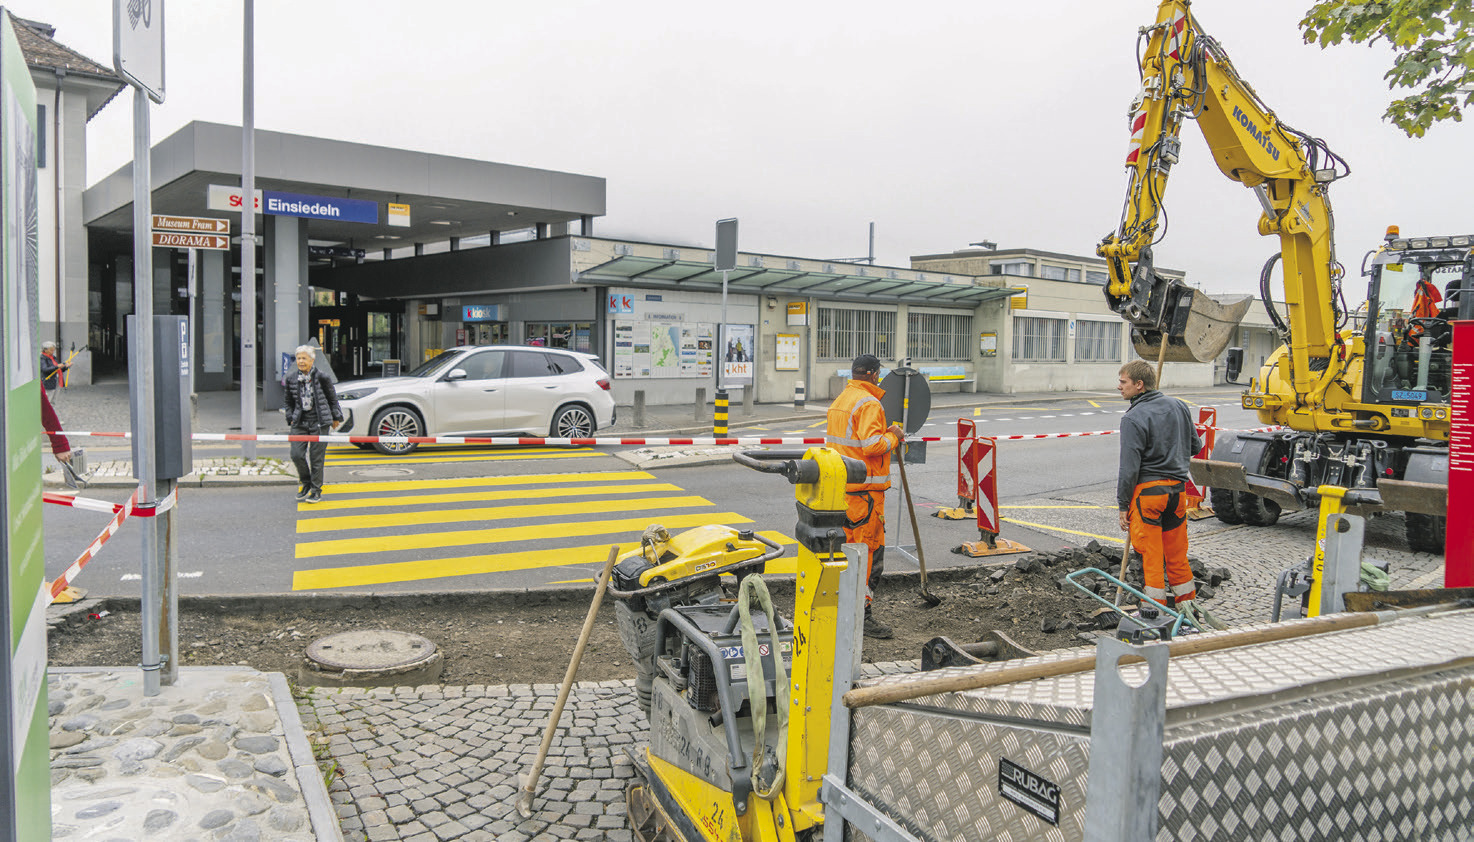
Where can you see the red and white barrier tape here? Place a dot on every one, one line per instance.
(65, 579)
(120, 512)
(600, 441)
(134, 510)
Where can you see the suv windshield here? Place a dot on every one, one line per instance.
(434, 365)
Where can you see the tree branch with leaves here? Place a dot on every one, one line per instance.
(1433, 52)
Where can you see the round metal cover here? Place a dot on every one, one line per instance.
(372, 649)
(916, 402)
(382, 472)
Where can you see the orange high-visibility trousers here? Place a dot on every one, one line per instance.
(1159, 533)
(871, 533)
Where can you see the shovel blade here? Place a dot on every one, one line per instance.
(1195, 327)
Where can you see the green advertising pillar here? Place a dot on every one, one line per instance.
(25, 784)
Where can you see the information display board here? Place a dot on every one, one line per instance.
(660, 349)
(25, 782)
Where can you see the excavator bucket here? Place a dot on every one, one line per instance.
(1195, 327)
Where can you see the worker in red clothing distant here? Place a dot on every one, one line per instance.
(1426, 299)
(857, 429)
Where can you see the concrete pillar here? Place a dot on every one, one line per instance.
(388, 254)
(496, 238)
(419, 249)
(455, 243)
(542, 230)
(285, 294)
(586, 226)
(701, 404)
(210, 332)
(639, 407)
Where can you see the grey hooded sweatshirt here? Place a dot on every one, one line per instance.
(1158, 437)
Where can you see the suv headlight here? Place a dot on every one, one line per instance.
(356, 394)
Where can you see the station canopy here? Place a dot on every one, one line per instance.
(447, 196)
(842, 281)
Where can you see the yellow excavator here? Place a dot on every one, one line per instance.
(1364, 402)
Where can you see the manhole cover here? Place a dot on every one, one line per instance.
(371, 657)
(383, 472)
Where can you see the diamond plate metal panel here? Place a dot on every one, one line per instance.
(938, 775)
(1366, 735)
(1221, 677)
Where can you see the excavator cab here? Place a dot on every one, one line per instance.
(1417, 287)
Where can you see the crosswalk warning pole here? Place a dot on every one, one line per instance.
(719, 418)
(798, 395)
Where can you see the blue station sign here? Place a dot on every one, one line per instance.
(320, 207)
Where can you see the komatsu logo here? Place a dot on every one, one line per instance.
(1260, 137)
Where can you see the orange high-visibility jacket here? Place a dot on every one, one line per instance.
(857, 429)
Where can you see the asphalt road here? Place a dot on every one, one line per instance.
(470, 518)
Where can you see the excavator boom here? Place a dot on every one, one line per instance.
(1186, 76)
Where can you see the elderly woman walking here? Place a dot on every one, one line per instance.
(312, 409)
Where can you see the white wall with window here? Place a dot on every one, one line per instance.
(1041, 337)
(843, 332)
(939, 336)
(1098, 340)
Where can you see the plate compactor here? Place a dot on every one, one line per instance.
(738, 699)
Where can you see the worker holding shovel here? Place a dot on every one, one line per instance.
(857, 429)
(1158, 438)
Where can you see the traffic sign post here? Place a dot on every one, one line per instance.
(138, 45)
(138, 56)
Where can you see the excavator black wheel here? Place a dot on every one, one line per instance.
(1223, 505)
(1255, 510)
(1425, 533)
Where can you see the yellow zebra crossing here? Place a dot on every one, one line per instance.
(395, 531)
(352, 456)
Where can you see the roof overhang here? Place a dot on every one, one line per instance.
(658, 273)
(448, 197)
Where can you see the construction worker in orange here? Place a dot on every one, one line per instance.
(1426, 299)
(857, 429)
(1158, 438)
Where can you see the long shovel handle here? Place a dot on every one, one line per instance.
(915, 529)
(524, 796)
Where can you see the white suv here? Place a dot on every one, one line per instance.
(483, 391)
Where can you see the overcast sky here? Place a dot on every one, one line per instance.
(943, 122)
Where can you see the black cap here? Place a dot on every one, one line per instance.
(865, 364)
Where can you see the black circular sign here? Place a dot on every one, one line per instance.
(906, 396)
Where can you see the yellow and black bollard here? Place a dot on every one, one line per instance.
(719, 418)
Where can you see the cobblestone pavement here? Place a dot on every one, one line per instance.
(437, 763)
(208, 758)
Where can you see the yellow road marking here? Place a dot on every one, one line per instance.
(576, 454)
(442, 450)
(481, 482)
(820, 424)
(409, 571)
(785, 566)
(1068, 531)
(1093, 403)
(977, 412)
(1188, 402)
(1051, 507)
(333, 524)
(505, 534)
(481, 496)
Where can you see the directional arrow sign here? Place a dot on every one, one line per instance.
(169, 239)
(198, 224)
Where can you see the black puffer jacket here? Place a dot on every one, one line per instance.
(324, 398)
